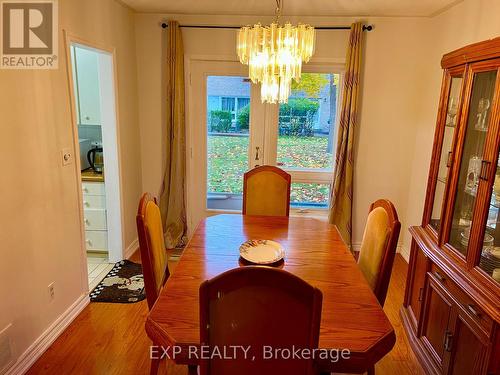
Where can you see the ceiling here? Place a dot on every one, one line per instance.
(416, 8)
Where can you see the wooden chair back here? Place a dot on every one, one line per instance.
(379, 245)
(266, 191)
(259, 306)
(152, 247)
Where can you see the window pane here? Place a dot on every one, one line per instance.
(228, 104)
(227, 141)
(243, 102)
(310, 195)
(307, 121)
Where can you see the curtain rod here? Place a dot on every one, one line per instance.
(165, 25)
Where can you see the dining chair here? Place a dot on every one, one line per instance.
(152, 247)
(259, 307)
(266, 191)
(378, 247)
(153, 254)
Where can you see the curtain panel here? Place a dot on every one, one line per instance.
(341, 199)
(172, 196)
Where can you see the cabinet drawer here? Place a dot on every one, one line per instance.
(94, 201)
(96, 239)
(95, 219)
(461, 298)
(93, 188)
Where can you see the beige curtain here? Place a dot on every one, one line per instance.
(341, 206)
(172, 197)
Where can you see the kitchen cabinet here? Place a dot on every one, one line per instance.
(451, 310)
(94, 214)
(86, 70)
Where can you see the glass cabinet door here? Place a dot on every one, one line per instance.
(489, 260)
(450, 121)
(483, 87)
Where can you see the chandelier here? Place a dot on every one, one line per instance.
(275, 54)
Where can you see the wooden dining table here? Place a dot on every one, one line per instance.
(351, 318)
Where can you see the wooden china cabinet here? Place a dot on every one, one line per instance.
(451, 310)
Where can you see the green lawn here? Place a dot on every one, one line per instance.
(228, 160)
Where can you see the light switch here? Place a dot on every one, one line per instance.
(67, 156)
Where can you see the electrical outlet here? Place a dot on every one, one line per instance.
(67, 156)
(52, 292)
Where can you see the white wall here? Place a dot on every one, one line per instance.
(468, 22)
(40, 229)
(394, 64)
(394, 58)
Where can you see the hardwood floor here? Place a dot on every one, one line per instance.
(401, 359)
(110, 339)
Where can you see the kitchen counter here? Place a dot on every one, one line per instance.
(90, 175)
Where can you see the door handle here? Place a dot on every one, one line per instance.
(257, 153)
(420, 294)
(439, 276)
(473, 310)
(448, 161)
(485, 170)
(448, 341)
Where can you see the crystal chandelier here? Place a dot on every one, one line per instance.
(275, 54)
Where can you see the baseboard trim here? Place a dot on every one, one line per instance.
(356, 246)
(404, 253)
(131, 249)
(45, 340)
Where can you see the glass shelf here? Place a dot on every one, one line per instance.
(493, 202)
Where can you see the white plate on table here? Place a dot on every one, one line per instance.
(262, 251)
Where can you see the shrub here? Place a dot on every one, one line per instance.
(243, 118)
(299, 107)
(297, 117)
(220, 121)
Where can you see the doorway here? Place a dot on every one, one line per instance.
(231, 131)
(94, 108)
